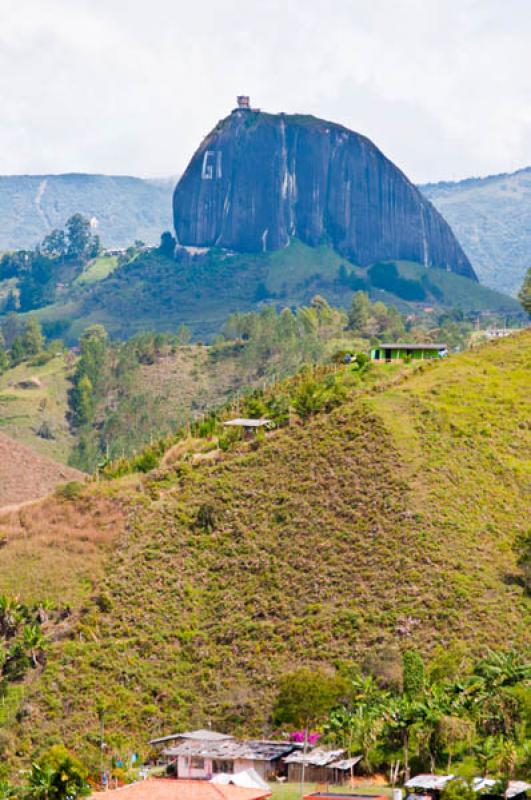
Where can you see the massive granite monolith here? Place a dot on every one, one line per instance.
(259, 179)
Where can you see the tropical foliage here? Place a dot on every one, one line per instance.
(481, 715)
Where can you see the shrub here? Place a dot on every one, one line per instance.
(70, 491)
(146, 461)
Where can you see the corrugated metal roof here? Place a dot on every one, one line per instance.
(410, 346)
(248, 423)
(437, 782)
(252, 750)
(205, 735)
(315, 758)
(514, 788)
(345, 763)
(202, 734)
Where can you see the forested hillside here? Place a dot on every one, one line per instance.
(113, 397)
(384, 517)
(153, 291)
(125, 208)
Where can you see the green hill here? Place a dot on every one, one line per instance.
(386, 523)
(153, 292)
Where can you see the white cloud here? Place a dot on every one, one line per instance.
(126, 86)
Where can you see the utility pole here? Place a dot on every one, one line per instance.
(101, 715)
(305, 747)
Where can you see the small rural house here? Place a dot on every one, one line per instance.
(317, 763)
(389, 353)
(203, 754)
(170, 789)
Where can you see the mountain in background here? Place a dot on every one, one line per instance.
(259, 180)
(491, 217)
(125, 208)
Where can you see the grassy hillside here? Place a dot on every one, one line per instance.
(491, 218)
(33, 406)
(157, 293)
(384, 524)
(25, 475)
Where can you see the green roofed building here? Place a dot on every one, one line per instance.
(388, 353)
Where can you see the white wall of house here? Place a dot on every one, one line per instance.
(186, 768)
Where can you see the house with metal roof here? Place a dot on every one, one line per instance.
(204, 758)
(395, 352)
(203, 734)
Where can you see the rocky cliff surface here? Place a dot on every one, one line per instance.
(259, 179)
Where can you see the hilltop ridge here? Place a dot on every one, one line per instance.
(491, 218)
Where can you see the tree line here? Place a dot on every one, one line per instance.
(452, 715)
(61, 256)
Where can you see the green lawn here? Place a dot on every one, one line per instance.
(98, 269)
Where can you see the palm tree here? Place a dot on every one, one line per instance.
(484, 752)
(34, 643)
(41, 782)
(432, 707)
(503, 669)
(401, 716)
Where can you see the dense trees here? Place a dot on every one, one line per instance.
(25, 340)
(306, 696)
(61, 256)
(366, 319)
(481, 715)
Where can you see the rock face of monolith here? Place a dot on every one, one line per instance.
(259, 179)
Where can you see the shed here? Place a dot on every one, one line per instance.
(487, 788)
(397, 352)
(315, 763)
(251, 424)
(342, 770)
(427, 785)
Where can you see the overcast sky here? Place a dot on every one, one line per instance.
(443, 87)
